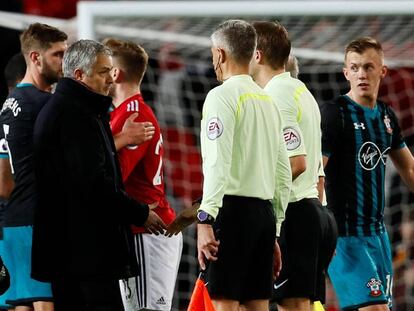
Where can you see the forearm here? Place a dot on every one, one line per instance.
(321, 187)
(120, 140)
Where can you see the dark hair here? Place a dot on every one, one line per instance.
(40, 37)
(273, 40)
(15, 70)
(132, 58)
(362, 44)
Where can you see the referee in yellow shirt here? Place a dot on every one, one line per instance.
(308, 236)
(246, 169)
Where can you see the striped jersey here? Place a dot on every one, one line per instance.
(357, 140)
(142, 166)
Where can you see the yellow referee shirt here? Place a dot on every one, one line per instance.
(301, 129)
(242, 146)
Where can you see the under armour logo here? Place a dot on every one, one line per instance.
(359, 126)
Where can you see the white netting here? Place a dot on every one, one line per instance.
(180, 75)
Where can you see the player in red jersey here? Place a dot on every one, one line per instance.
(142, 173)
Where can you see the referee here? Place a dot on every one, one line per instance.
(308, 235)
(245, 167)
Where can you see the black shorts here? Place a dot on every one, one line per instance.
(307, 241)
(99, 295)
(246, 230)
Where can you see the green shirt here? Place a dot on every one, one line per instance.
(242, 147)
(301, 129)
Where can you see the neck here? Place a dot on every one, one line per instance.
(265, 74)
(232, 69)
(369, 102)
(35, 78)
(123, 91)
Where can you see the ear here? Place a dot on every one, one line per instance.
(117, 74)
(78, 74)
(34, 57)
(222, 55)
(345, 72)
(384, 71)
(258, 57)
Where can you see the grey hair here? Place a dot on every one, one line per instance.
(82, 55)
(292, 66)
(236, 37)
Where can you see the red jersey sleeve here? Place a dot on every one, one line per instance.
(129, 156)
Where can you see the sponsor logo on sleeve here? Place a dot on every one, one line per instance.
(387, 123)
(3, 146)
(214, 128)
(292, 138)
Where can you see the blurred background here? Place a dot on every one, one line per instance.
(176, 36)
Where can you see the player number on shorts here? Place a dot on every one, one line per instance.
(388, 289)
(157, 180)
(6, 129)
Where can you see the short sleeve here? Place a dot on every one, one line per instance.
(397, 138)
(4, 149)
(331, 123)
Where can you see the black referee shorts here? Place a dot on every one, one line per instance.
(307, 241)
(243, 270)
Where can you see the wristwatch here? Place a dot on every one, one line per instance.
(204, 218)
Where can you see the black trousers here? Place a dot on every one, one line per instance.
(102, 295)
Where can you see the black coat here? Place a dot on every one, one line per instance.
(82, 220)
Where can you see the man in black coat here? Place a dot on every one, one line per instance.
(82, 235)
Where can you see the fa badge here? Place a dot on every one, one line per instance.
(387, 123)
(374, 286)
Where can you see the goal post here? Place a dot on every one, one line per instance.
(176, 34)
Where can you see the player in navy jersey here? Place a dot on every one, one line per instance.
(359, 132)
(13, 73)
(42, 47)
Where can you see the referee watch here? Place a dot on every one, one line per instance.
(204, 218)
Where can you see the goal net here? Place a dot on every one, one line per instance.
(176, 37)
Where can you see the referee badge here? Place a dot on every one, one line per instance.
(387, 123)
(292, 138)
(214, 128)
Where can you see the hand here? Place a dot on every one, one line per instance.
(154, 223)
(207, 245)
(137, 132)
(277, 261)
(185, 218)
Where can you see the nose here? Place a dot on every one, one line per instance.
(109, 79)
(362, 73)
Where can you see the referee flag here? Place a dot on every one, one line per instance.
(317, 306)
(200, 299)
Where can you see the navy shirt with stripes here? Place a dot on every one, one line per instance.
(17, 119)
(357, 140)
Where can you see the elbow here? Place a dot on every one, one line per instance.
(5, 192)
(297, 170)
